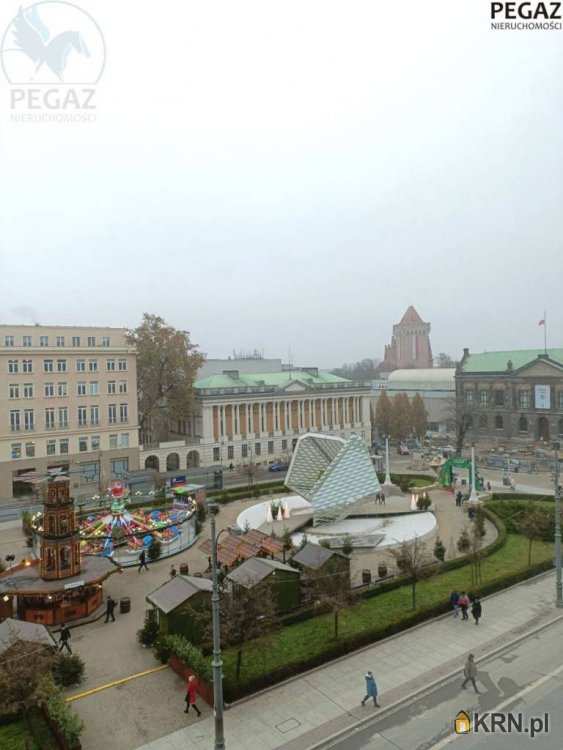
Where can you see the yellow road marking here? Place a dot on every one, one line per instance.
(86, 693)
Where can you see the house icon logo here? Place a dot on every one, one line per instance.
(462, 723)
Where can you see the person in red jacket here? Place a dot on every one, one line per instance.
(191, 695)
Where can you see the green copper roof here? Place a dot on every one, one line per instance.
(498, 361)
(271, 379)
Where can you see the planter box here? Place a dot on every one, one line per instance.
(203, 688)
(59, 737)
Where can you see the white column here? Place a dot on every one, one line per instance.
(236, 426)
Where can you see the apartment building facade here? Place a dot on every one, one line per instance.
(257, 417)
(68, 402)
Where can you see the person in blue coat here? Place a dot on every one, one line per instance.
(371, 689)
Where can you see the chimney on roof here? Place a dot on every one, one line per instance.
(466, 351)
(234, 374)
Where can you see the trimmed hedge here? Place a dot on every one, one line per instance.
(521, 496)
(192, 656)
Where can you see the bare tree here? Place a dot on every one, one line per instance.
(460, 417)
(329, 590)
(413, 560)
(535, 525)
(21, 667)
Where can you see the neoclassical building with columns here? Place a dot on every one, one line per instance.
(257, 417)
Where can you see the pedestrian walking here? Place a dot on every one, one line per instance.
(191, 695)
(476, 610)
(454, 602)
(383, 498)
(172, 572)
(458, 498)
(470, 673)
(371, 689)
(110, 606)
(64, 641)
(463, 602)
(143, 561)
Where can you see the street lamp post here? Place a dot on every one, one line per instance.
(387, 467)
(558, 584)
(474, 497)
(217, 663)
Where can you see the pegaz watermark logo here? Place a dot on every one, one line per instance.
(526, 16)
(499, 722)
(53, 56)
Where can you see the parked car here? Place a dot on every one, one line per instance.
(277, 466)
(402, 450)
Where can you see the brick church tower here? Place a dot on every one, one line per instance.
(60, 541)
(410, 344)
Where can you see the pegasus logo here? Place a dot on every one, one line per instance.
(32, 37)
(52, 42)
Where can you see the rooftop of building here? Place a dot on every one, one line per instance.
(498, 361)
(19, 630)
(411, 316)
(433, 378)
(309, 377)
(314, 556)
(256, 569)
(177, 590)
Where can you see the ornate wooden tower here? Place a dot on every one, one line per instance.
(60, 543)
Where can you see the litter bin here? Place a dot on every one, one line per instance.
(366, 576)
(184, 569)
(124, 604)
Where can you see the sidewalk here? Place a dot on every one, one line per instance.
(302, 711)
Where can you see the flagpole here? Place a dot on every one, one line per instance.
(545, 331)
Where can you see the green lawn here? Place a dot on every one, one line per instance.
(20, 735)
(304, 641)
(13, 736)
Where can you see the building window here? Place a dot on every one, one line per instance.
(91, 341)
(47, 365)
(561, 400)
(257, 449)
(27, 365)
(16, 450)
(523, 424)
(93, 365)
(270, 446)
(28, 390)
(62, 390)
(499, 422)
(110, 365)
(119, 467)
(216, 455)
(111, 386)
(28, 419)
(49, 390)
(123, 413)
(90, 472)
(60, 340)
(483, 422)
(524, 400)
(94, 415)
(230, 452)
(284, 445)
(113, 442)
(122, 365)
(123, 386)
(49, 419)
(499, 398)
(30, 450)
(80, 365)
(63, 446)
(63, 417)
(81, 388)
(13, 365)
(14, 390)
(76, 340)
(51, 447)
(124, 440)
(8, 340)
(560, 427)
(94, 388)
(468, 397)
(43, 341)
(112, 413)
(61, 365)
(244, 450)
(105, 340)
(82, 444)
(27, 341)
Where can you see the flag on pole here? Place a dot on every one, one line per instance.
(542, 322)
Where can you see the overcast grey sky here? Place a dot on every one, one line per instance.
(294, 175)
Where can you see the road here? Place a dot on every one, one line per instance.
(526, 678)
